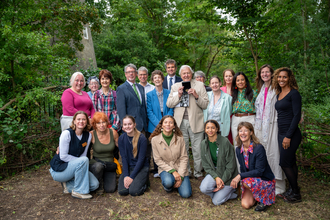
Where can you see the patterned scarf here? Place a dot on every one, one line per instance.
(263, 114)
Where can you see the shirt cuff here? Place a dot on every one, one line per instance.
(171, 171)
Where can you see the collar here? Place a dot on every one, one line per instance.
(131, 83)
(250, 149)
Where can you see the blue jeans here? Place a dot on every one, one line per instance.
(168, 182)
(77, 176)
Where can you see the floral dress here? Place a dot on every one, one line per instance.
(262, 190)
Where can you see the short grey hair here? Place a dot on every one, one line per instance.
(74, 76)
(142, 68)
(130, 65)
(199, 73)
(185, 66)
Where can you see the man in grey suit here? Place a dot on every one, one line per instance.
(131, 99)
(171, 78)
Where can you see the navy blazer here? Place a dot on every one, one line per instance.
(153, 108)
(165, 85)
(129, 104)
(258, 164)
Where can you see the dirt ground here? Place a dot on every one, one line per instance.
(35, 195)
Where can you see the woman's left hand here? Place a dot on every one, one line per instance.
(127, 182)
(286, 143)
(235, 181)
(178, 183)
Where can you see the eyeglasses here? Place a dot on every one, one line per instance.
(130, 72)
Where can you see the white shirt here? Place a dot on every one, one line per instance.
(147, 89)
(168, 81)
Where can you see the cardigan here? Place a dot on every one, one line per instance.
(258, 164)
(226, 167)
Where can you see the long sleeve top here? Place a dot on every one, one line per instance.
(72, 102)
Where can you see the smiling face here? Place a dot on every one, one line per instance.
(105, 81)
(80, 121)
(211, 130)
(186, 74)
(93, 85)
(283, 79)
(266, 75)
(143, 76)
(78, 83)
(168, 126)
(128, 126)
(215, 84)
(228, 78)
(240, 82)
(245, 134)
(130, 74)
(157, 80)
(200, 79)
(171, 69)
(101, 125)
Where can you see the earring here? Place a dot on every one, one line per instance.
(173, 130)
(161, 129)
(236, 87)
(245, 86)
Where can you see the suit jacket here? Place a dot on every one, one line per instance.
(226, 109)
(258, 164)
(128, 104)
(170, 157)
(165, 85)
(195, 109)
(153, 108)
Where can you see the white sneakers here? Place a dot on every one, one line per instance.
(156, 175)
(80, 196)
(65, 189)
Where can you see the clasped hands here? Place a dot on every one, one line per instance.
(178, 179)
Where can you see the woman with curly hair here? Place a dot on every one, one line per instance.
(266, 123)
(169, 151)
(288, 107)
(257, 178)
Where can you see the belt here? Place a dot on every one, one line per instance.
(243, 114)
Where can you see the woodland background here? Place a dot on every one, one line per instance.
(38, 40)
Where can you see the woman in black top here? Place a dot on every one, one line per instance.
(288, 108)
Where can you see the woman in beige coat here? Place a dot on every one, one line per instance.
(170, 155)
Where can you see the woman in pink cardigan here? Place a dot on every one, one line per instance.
(74, 99)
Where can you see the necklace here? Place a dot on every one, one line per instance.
(129, 140)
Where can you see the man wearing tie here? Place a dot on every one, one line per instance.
(131, 99)
(171, 78)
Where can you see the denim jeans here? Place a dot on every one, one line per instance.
(77, 176)
(208, 185)
(168, 182)
(139, 184)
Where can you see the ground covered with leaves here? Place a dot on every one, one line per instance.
(35, 195)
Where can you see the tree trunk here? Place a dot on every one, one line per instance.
(254, 54)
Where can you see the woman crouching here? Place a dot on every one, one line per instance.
(170, 154)
(258, 180)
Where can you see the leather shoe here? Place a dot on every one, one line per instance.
(260, 207)
(293, 198)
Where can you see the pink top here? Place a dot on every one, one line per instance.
(72, 102)
(266, 92)
(224, 89)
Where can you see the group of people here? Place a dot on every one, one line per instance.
(166, 119)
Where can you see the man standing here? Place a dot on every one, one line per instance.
(171, 78)
(131, 99)
(143, 77)
(188, 114)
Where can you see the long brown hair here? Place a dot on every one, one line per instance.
(249, 126)
(158, 129)
(73, 126)
(136, 136)
(232, 73)
(258, 79)
(292, 80)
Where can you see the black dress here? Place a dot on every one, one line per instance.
(288, 117)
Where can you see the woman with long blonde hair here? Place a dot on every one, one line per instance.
(133, 148)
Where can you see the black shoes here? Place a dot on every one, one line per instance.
(260, 207)
(293, 198)
(285, 194)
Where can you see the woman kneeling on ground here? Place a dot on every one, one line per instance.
(133, 148)
(218, 160)
(104, 140)
(70, 165)
(258, 180)
(169, 152)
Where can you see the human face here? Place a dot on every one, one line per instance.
(130, 74)
(283, 79)
(171, 69)
(105, 81)
(211, 130)
(93, 86)
(101, 125)
(228, 78)
(80, 121)
(215, 85)
(168, 126)
(143, 76)
(186, 74)
(266, 75)
(240, 82)
(78, 83)
(158, 80)
(200, 78)
(128, 126)
(245, 134)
